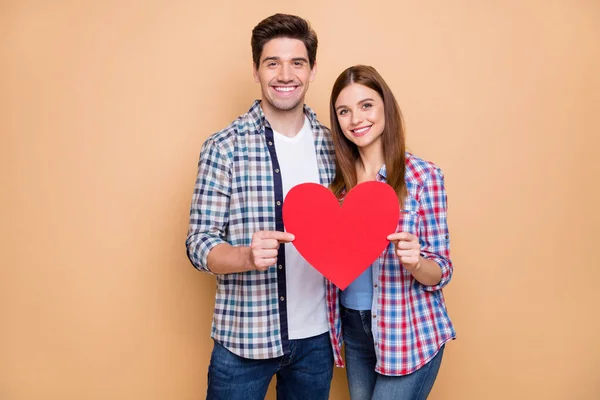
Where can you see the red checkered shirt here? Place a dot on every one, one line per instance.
(410, 320)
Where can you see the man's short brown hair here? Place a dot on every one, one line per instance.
(283, 25)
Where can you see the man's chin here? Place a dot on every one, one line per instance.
(285, 105)
(289, 105)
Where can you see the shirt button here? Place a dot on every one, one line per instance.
(282, 298)
(374, 316)
(278, 203)
(270, 143)
(280, 266)
(375, 285)
(277, 171)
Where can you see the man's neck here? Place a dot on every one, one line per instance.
(288, 123)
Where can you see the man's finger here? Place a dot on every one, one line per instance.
(282, 237)
(266, 244)
(265, 263)
(265, 253)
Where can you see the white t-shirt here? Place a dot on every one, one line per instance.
(306, 307)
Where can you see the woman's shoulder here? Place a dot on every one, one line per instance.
(418, 170)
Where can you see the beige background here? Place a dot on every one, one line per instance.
(104, 107)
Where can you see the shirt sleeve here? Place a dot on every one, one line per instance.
(433, 229)
(209, 211)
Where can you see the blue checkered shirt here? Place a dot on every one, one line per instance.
(410, 320)
(238, 192)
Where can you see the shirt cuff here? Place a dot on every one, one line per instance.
(446, 267)
(198, 251)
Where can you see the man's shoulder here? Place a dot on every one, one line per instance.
(242, 125)
(314, 120)
(323, 132)
(324, 129)
(324, 139)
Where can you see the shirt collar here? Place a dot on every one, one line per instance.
(382, 174)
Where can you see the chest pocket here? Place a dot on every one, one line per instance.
(409, 215)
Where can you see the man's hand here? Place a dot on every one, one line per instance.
(264, 248)
(408, 250)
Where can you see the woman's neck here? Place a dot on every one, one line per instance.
(369, 162)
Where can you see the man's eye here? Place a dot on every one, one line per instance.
(367, 105)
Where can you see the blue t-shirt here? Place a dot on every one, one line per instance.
(359, 294)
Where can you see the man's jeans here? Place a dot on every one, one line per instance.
(366, 384)
(303, 374)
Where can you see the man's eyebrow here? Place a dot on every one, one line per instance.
(271, 58)
(275, 58)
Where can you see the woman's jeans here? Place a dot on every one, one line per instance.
(366, 384)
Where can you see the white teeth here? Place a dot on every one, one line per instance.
(361, 130)
(285, 88)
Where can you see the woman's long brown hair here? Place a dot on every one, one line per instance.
(346, 152)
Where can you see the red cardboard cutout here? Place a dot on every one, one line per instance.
(341, 242)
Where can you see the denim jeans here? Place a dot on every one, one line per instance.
(303, 374)
(366, 384)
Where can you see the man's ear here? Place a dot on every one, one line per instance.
(255, 73)
(313, 72)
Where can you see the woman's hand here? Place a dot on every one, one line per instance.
(408, 250)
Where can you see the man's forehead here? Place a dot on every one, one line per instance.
(284, 49)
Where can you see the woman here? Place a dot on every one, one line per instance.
(393, 318)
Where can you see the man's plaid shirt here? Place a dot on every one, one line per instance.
(238, 192)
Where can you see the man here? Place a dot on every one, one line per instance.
(270, 316)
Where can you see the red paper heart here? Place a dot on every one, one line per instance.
(341, 242)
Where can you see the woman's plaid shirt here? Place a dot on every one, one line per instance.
(410, 322)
